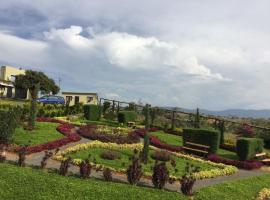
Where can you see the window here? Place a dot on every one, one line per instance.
(68, 98)
(89, 99)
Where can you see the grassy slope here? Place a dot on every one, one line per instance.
(44, 132)
(26, 183)
(241, 190)
(125, 154)
(13, 102)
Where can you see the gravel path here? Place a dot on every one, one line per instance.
(35, 159)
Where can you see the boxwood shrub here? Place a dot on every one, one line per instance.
(126, 116)
(202, 136)
(92, 112)
(246, 148)
(9, 120)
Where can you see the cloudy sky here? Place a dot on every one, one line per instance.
(208, 54)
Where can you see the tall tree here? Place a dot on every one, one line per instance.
(35, 81)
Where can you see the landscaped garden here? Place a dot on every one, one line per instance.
(125, 142)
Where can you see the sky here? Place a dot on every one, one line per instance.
(208, 54)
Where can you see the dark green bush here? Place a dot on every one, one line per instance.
(126, 116)
(247, 147)
(9, 120)
(203, 136)
(92, 112)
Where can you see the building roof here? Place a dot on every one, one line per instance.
(80, 93)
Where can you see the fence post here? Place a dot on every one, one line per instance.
(147, 125)
(197, 118)
(113, 106)
(118, 107)
(173, 119)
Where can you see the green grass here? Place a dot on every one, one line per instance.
(32, 184)
(168, 138)
(43, 133)
(227, 154)
(125, 154)
(13, 102)
(241, 190)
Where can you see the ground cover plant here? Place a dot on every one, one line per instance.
(36, 185)
(168, 138)
(81, 152)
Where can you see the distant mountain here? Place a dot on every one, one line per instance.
(242, 113)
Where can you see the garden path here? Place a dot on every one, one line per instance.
(35, 159)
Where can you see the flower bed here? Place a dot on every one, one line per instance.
(64, 128)
(108, 134)
(218, 169)
(249, 165)
(156, 142)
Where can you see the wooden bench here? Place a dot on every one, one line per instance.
(260, 155)
(196, 148)
(266, 161)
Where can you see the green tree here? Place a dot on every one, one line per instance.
(35, 81)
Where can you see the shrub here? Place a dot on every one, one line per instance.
(110, 155)
(106, 106)
(126, 116)
(187, 181)
(203, 136)
(92, 112)
(161, 155)
(134, 171)
(110, 115)
(47, 156)
(107, 174)
(160, 175)
(85, 169)
(144, 154)
(65, 164)
(8, 122)
(246, 148)
(22, 156)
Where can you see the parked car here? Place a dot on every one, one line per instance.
(51, 99)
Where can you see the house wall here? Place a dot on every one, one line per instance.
(83, 98)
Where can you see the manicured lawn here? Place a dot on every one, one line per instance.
(124, 162)
(44, 132)
(227, 154)
(241, 190)
(31, 184)
(168, 138)
(13, 102)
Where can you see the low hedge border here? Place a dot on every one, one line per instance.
(248, 165)
(63, 128)
(222, 169)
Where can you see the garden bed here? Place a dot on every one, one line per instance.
(82, 151)
(63, 128)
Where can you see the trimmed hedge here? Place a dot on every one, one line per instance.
(202, 136)
(92, 112)
(8, 122)
(246, 148)
(126, 116)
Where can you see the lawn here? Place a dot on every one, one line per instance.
(168, 138)
(44, 132)
(13, 102)
(31, 184)
(241, 190)
(124, 162)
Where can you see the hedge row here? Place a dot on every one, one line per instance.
(127, 116)
(92, 112)
(246, 148)
(202, 136)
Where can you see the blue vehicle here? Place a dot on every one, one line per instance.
(51, 99)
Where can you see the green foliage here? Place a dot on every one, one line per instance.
(202, 136)
(92, 112)
(106, 106)
(248, 147)
(145, 150)
(126, 116)
(32, 184)
(34, 82)
(9, 120)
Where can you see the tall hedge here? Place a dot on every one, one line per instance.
(127, 116)
(8, 122)
(202, 136)
(247, 147)
(92, 112)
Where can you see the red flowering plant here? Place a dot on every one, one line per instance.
(245, 130)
